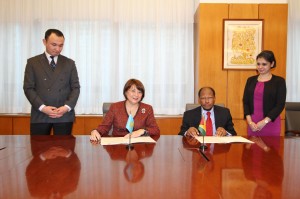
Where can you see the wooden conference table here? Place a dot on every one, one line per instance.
(71, 167)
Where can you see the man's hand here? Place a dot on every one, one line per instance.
(221, 132)
(192, 131)
(61, 111)
(51, 111)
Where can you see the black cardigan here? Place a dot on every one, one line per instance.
(273, 98)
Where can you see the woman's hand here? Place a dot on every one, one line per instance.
(95, 136)
(261, 124)
(135, 134)
(253, 126)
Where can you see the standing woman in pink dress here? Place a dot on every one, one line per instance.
(264, 98)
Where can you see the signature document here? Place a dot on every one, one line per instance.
(122, 140)
(225, 139)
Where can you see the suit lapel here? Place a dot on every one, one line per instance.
(52, 75)
(198, 116)
(45, 65)
(217, 118)
(59, 65)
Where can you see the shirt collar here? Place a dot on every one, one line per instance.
(205, 111)
(49, 58)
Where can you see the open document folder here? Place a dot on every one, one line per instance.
(122, 140)
(224, 140)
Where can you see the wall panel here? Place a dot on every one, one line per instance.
(6, 125)
(83, 125)
(237, 78)
(210, 54)
(229, 84)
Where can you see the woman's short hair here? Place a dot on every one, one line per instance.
(139, 85)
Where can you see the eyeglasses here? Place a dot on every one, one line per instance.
(261, 64)
(206, 98)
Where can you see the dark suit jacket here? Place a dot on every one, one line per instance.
(56, 88)
(192, 118)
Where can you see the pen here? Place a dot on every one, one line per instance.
(3, 148)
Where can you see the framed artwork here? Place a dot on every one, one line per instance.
(242, 41)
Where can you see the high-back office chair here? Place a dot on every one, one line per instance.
(292, 122)
(191, 106)
(105, 108)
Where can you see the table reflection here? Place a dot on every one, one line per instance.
(206, 175)
(55, 168)
(263, 165)
(134, 169)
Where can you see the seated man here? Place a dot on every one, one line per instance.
(218, 120)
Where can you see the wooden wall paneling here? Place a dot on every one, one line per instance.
(236, 84)
(210, 53)
(229, 84)
(78, 126)
(6, 127)
(21, 125)
(196, 52)
(243, 11)
(275, 28)
(237, 78)
(91, 123)
(240, 126)
(169, 125)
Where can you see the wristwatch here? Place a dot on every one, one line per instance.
(146, 133)
(266, 121)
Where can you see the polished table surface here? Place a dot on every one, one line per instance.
(72, 167)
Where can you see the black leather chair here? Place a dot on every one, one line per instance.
(191, 106)
(292, 119)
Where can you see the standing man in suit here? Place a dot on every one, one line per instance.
(221, 120)
(51, 85)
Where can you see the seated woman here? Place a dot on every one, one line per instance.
(117, 116)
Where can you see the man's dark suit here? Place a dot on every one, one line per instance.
(57, 88)
(191, 118)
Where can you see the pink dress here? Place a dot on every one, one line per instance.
(272, 128)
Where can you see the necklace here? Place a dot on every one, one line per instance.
(264, 78)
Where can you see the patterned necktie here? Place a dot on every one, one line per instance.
(52, 63)
(209, 129)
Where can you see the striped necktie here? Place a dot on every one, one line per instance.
(52, 63)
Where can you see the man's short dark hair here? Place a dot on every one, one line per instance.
(55, 31)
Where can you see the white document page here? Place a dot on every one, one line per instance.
(122, 140)
(225, 139)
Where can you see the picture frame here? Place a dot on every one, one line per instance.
(242, 41)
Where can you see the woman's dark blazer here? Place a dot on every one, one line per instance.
(273, 98)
